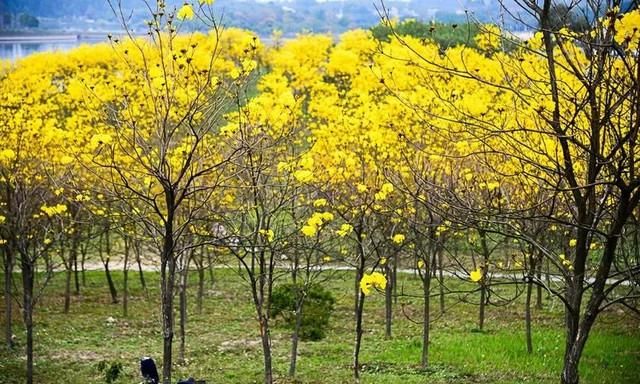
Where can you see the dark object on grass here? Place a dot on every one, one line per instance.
(150, 373)
(191, 380)
(149, 370)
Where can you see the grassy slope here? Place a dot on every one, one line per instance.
(222, 348)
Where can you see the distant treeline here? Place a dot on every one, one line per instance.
(445, 35)
(296, 16)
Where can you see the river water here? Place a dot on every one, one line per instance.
(13, 50)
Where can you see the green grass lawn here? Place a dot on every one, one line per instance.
(222, 342)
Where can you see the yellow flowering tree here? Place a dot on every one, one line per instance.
(34, 161)
(264, 196)
(552, 114)
(160, 149)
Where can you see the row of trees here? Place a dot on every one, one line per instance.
(378, 154)
(10, 21)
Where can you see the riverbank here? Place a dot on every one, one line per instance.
(40, 36)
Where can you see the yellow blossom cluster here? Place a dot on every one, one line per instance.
(315, 223)
(57, 209)
(268, 234)
(370, 281)
(476, 275)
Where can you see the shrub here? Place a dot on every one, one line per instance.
(316, 310)
(111, 370)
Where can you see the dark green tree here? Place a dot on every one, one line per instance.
(445, 35)
(28, 21)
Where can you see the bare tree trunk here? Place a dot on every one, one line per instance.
(359, 307)
(182, 294)
(167, 319)
(137, 250)
(210, 265)
(395, 279)
(483, 300)
(28, 323)
(483, 287)
(538, 286)
(67, 288)
(547, 278)
(570, 373)
(388, 303)
(76, 272)
(199, 260)
(266, 349)
(212, 279)
(167, 281)
(83, 254)
(105, 262)
(527, 317)
(73, 260)
(112, 287)
(358, 340)
(441, 279)
(8, 299)
(125, 277)
(295, 336)
(426, 318)
(27, 311)
(68, 270)
(572, 323)
(143, 283)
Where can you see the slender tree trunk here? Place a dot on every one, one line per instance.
(27, 311)
(261, 289)
(572, 322)
(125, 277)
(168, 276)
(483, 299)
(295, 336)
(182, 292)
(483, 287)
(143, 283)
(388, 303)
(28, 323)
(359, 307)
(68, 271)
(358, 340)
(136, 249)
(76, 272)
(73, 260)
(8, 299)
(395, 279)
(547, 277)
(167, 281)
(570, 373)
(83, 255)
(105, 262)
(538, 286)
(212, 279)
(266, 349)
(200, 297)
(112, 286)
(441, 279)
(426, 317)
(527, 317)
(356, 292)
(67, 287)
